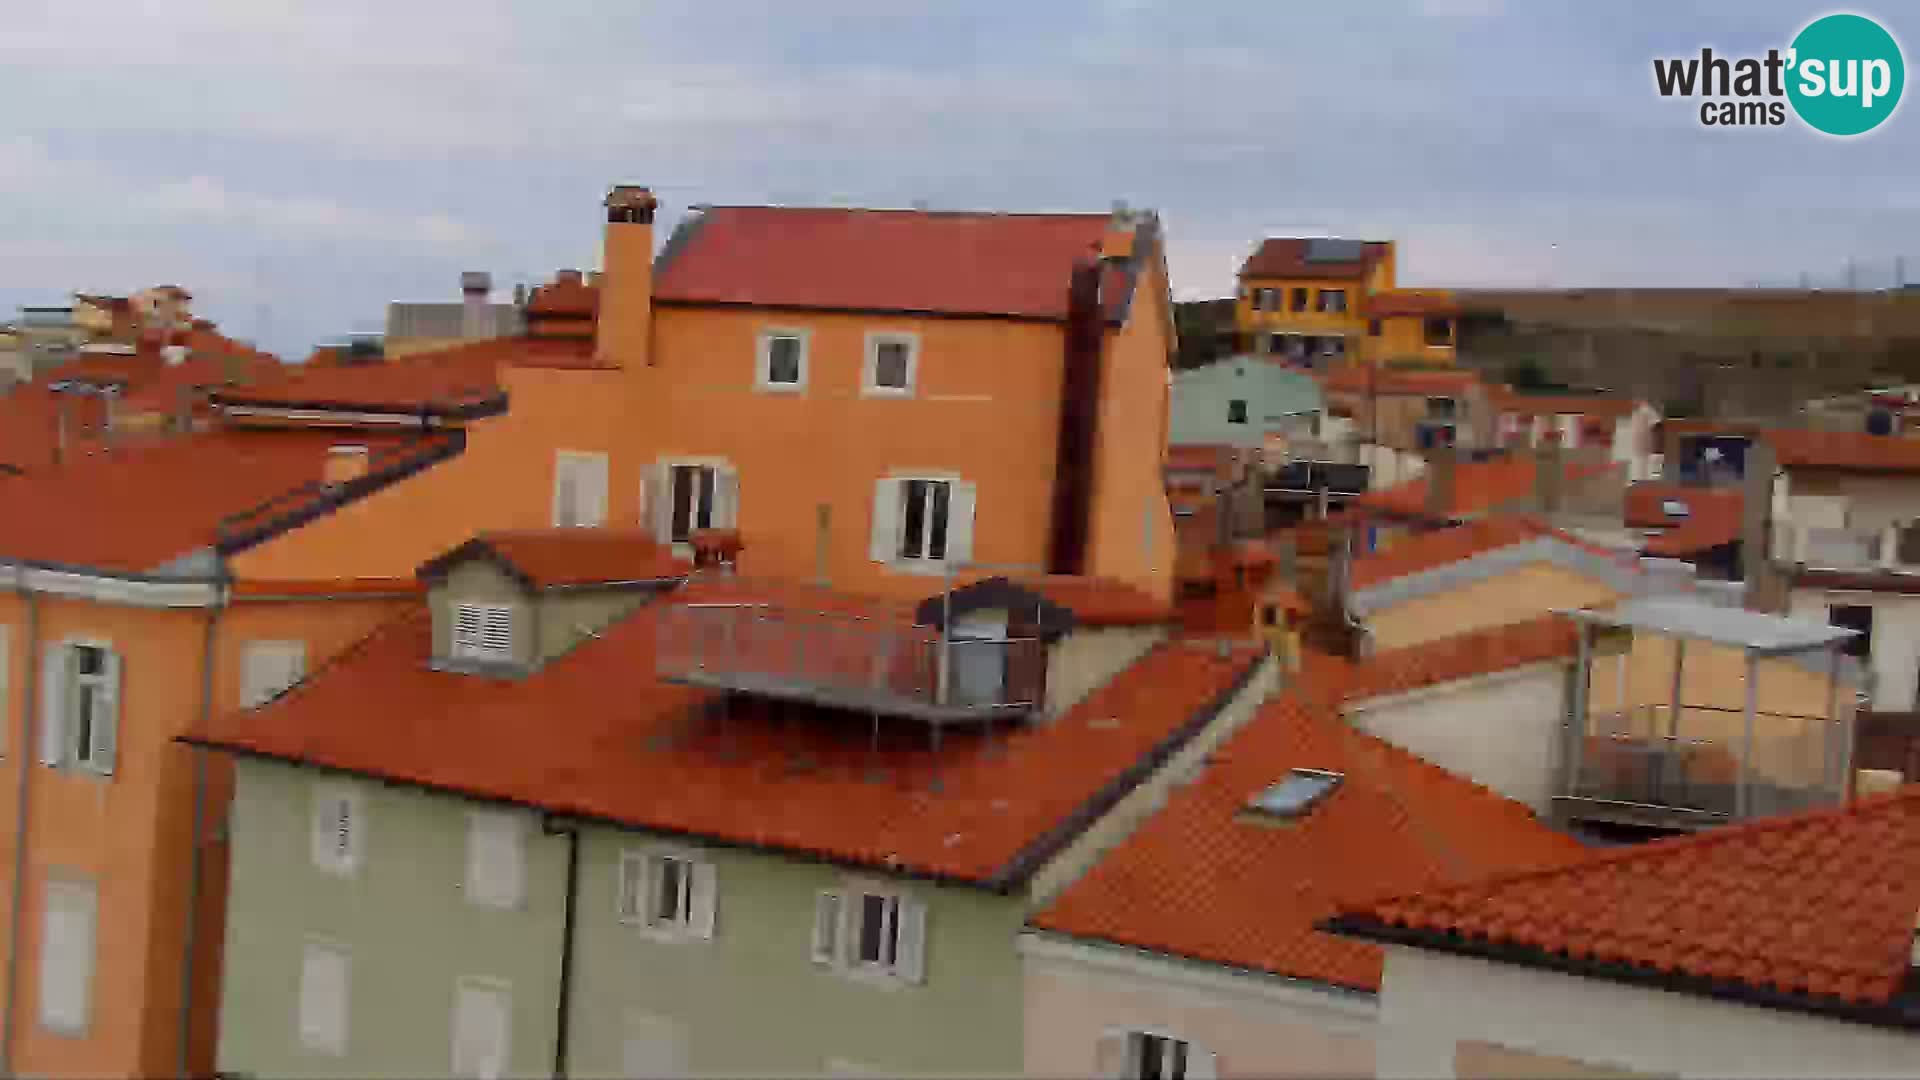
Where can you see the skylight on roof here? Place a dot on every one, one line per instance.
(1299, 793)
(1673, 508)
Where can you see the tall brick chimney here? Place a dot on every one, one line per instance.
(625, 328)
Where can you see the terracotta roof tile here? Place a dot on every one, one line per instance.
(1819, 905)
(1855, 450)
(1462, 656)
(544, 558)
(1199, 880)
(594, 733)
(1478, 486)
(891, 260)
(1097, 601)
(458, 377)
(1286, 257)
(1713, 517)
(136, 507)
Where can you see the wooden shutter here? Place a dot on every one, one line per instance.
(703, 903)
(480, 1017)
(726, 497)
(106, 724)
(885, 545)
(496, 858)
(910, 948)
(826, 927)
(66, 956)
(323, 998)
(467, 626)
(496, 631)
(55, 681)
(960, 504)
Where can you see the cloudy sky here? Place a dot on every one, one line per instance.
(300, 164)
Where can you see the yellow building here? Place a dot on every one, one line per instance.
(1322, 302)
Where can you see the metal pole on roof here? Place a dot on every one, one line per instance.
(1832, 742)
(1743, 795)
(1679, 664)
(1577, 706)
(946, 632)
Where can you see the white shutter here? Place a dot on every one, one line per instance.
(1200, 1064)
(269, 668)
(467, 624)
(496, 858)
(480, 1016)
(826, 927)
(55, 679)
(106, 721)
(703, 903)
(886, 520)
(726, 498)
(566, 490)
(910, 951)
(660, 502)
(628, 894)
(66, 956)
(960, 503)
(1110, 1055)
(590, 490)
(323, 999)
(496, 631)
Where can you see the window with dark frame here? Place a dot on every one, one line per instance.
(1156, 1057)
(890, 364)
(923, 533)
(1373, 327)
(693, 491)
(1332, 300)
(1439, 331)
(1236, 411)
(89, 670)
(879, 936)
(1858, 618)
(1300, 299)
(783, 360)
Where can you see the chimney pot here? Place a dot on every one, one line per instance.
(475, 317)
(519, 296)
(476, 281)
(567, 277)
(630, 204)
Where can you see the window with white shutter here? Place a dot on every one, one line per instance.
(579, 489)
(324, 971)
(782, 360)
(268, 669)
(892, 360)
(1153, 1056)
(826, 927)
(67, 956)
(923, 521)
(496, 858)
(871, 931)
(339, 828)
(482, 1016)
(673, 894)
(483, 632)
(80, 706)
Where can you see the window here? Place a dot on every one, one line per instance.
(1333, 346)
(1145, 1055)
(483, 632)
(81, 704)
(579, 489)
(1298, 793)
(871, 931)
(67, 956)
(783, 360)
(676, 894)
(1859, 618)
(691, 497)
(1373, 327)
(1441, 408)
(891, 362)
(1236, 411)
(923, 522)
(1265, 300)
(1333, 300)
(496, 858)
(1300, 299)
(482, 1009)
(338, 828)
(324, 971)
(268, 669)
(1439, 332)
(1277, 343)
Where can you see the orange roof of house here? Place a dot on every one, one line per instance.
(137, 506)
(1814, 908)
(270, 587)
(1713, 518)
(1853, 450)
(564, 299)
(595, 734)
(1199, 880)
(1098, 601)
(1505, 399)
(545, 558)
(1398, 303)
(1425, 551)
(460, 379)
(1477, 486)
(1017, 265)
(1366, 379)
(1462, 656)
(1286, 257)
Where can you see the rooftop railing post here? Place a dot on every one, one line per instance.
(1577, 706)
(946, 634)
(1742, 792)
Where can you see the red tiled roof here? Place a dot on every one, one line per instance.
(1097, 601)
(1462, 656)
(1713, 518)
(564, 299)
(1399, 303)
(544, 558)
(1196, 456)
(324, 586)
(1364, 380)
(460, 376)
(138, 506)
(595, 734)
(1198, 880)
(1818, 906)
(884, 260)
(1854, 450)
(1440, 547)
(1477, 486)
(1505, 399)
(1286, 257)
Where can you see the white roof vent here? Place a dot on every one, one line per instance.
(1293, 797)
(174, 355)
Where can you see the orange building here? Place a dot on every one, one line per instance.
(1322, 302)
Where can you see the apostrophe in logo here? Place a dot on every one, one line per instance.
(1842, 75)
(1846, 74)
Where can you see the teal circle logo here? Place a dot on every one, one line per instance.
(1845, 74)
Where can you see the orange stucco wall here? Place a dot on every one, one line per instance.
(1132, 534)
(1403, 337)
(1523, 593)
(130, 833)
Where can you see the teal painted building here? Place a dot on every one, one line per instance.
(1240, 401)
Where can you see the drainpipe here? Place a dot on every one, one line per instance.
(29, 655)
(198, 839)
(563, 1011)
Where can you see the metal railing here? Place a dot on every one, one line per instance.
(848, 660)
(1696, 762)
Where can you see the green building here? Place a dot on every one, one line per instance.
(1240, 401)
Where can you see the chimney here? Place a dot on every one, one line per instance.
(345, 462)
(625, 328)
(1440, 486)
(1117, 244)
(520, 295)
(1549, 473)
(567, 277)
(475, 321)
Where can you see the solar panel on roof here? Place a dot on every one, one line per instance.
(1330, 249)
(1297, 794)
